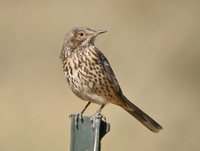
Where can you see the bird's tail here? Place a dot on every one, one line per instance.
(141, 116)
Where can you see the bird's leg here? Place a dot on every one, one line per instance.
(85, 107)
(97, 114)
(79, 116)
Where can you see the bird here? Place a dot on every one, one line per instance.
(91, 78)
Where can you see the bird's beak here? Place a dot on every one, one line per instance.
(100, 31)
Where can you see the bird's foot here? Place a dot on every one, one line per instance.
(77, 117)
(96, 116)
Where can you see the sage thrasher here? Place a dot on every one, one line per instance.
(91, 77)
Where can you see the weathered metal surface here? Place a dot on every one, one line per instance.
(86, 135)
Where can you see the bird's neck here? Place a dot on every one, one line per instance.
(70, 48)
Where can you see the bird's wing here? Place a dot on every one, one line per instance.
(110, 74)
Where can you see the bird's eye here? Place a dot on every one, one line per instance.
(82, 34)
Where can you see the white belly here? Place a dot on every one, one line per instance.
(94, 98)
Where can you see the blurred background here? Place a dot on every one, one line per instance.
(153, 47)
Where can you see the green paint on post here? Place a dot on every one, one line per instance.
(87, 135)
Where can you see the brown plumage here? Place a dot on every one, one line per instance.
(91, 77)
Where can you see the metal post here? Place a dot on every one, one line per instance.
(86, 135)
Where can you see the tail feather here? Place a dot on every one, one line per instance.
(141, 116)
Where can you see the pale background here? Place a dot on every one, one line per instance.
(153, 47)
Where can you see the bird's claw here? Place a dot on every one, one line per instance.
(95, 117)
(104, 118)
(77, 117)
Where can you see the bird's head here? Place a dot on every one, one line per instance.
(79, 36)
(82, 36)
